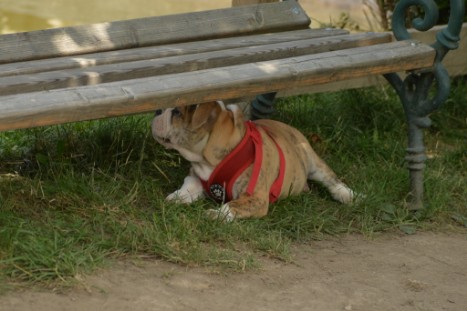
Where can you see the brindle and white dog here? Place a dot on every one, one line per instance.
(244, 164)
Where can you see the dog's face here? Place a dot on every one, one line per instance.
(193, 130)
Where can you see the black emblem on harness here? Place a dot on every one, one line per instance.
(217, 192)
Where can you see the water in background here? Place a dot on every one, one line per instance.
(25, 15)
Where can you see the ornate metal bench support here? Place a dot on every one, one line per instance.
(414, 90)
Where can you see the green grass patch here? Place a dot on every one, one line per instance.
(77, 196)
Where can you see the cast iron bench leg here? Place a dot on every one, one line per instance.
(414, 90)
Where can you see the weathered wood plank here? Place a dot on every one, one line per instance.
(185, 63)
(147, 94)
(455, 63)
(249, 2)
(151, 52)
(261, 18)
(456, 60)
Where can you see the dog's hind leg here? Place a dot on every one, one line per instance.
(323, 174)
(246, 206)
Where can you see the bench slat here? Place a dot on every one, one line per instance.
(147, 94)
(135, 54)
(261, 18)
(185, 63)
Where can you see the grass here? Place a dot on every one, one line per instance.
(77, 196)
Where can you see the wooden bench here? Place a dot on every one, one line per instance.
(111, 69)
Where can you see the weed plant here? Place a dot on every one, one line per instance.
(75, 197)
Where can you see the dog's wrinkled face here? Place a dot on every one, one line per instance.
(186, 129)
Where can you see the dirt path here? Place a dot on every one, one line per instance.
(425, 271)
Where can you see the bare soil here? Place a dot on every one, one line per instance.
(425, 271)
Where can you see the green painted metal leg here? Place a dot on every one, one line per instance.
(416, 158)
(414, 90)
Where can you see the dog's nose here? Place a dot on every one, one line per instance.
(158, 112)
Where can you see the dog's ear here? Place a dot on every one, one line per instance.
(237, 114)
(205, 115)
(227, 131)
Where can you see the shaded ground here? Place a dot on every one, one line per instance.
(425, 271)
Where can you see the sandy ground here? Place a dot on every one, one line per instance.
(425, 271)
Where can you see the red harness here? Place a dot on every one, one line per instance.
(248, 151)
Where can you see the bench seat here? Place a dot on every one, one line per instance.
(140, 65)
(160, 88)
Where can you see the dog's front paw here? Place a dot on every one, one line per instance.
(184, 197)
(191, 191)
(223, 214)
(179, 197)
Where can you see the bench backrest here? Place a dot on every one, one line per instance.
(134, 33)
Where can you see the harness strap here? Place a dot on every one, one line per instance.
(248, 151)
(276, 187)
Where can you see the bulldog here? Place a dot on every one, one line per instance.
(244, 165)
